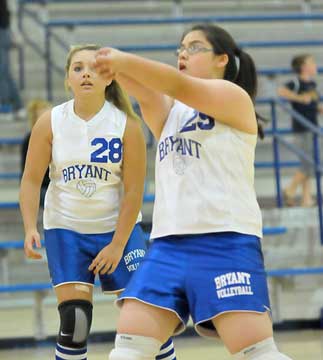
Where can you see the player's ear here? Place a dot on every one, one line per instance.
(67, 84)
(222, 60)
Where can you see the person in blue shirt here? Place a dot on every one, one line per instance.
(303, 96)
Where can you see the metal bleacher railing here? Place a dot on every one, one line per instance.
(50, 25)
(313, 159)
(50, 35)
(41, 290)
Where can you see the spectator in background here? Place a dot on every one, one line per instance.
(35, 108)
(304, 98)
(9, 95)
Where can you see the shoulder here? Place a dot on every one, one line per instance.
(65, 107)
(133, 135)
(116, 116)
(43, 125)
(232, 93)
(133, 127)
(117, 119)
(134, 144)
(109, 107)
(44, 119)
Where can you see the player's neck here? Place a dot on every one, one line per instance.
(87, 108)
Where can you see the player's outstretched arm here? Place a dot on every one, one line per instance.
(154, 105)
(214, 97)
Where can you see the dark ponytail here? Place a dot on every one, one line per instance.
(247, 79)
(240, 69)
(247, 75)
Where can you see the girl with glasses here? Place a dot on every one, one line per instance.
(206, 260)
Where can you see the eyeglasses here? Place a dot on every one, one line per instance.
(192, 49)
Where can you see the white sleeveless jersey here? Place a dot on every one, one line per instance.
(204, 177)
(86, 186)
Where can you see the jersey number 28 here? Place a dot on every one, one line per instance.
(113, 148)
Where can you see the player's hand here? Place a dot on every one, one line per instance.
(107, 259)
(32, 239)
(108, 62)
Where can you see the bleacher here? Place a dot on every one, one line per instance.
(292, 248)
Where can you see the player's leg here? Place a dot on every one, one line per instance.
(116, 282)
(227, 292)
(75, 310)
(167, 351)
(142, 329)
(248, 336)
(153, 305)
(73, 286)
(253, 327)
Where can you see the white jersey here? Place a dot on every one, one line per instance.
(86, 186)
(204, 177)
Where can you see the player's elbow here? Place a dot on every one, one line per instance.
(134, 195)
(30, 181)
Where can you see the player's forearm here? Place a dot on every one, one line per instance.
(134, 88)
(29, 203)
(152, 74)
(129, 210)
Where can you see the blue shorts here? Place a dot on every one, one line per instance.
(70, 254)
(202, 276)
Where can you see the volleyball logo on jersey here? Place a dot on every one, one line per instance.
(179, 164)
(182, 147)
(86, 187)
(104, 152)
(233, 284)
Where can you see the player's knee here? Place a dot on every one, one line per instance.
(76, 319)
(134, 347)
(272, 355)
(263, 350)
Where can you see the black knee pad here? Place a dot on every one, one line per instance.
(76, 319)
